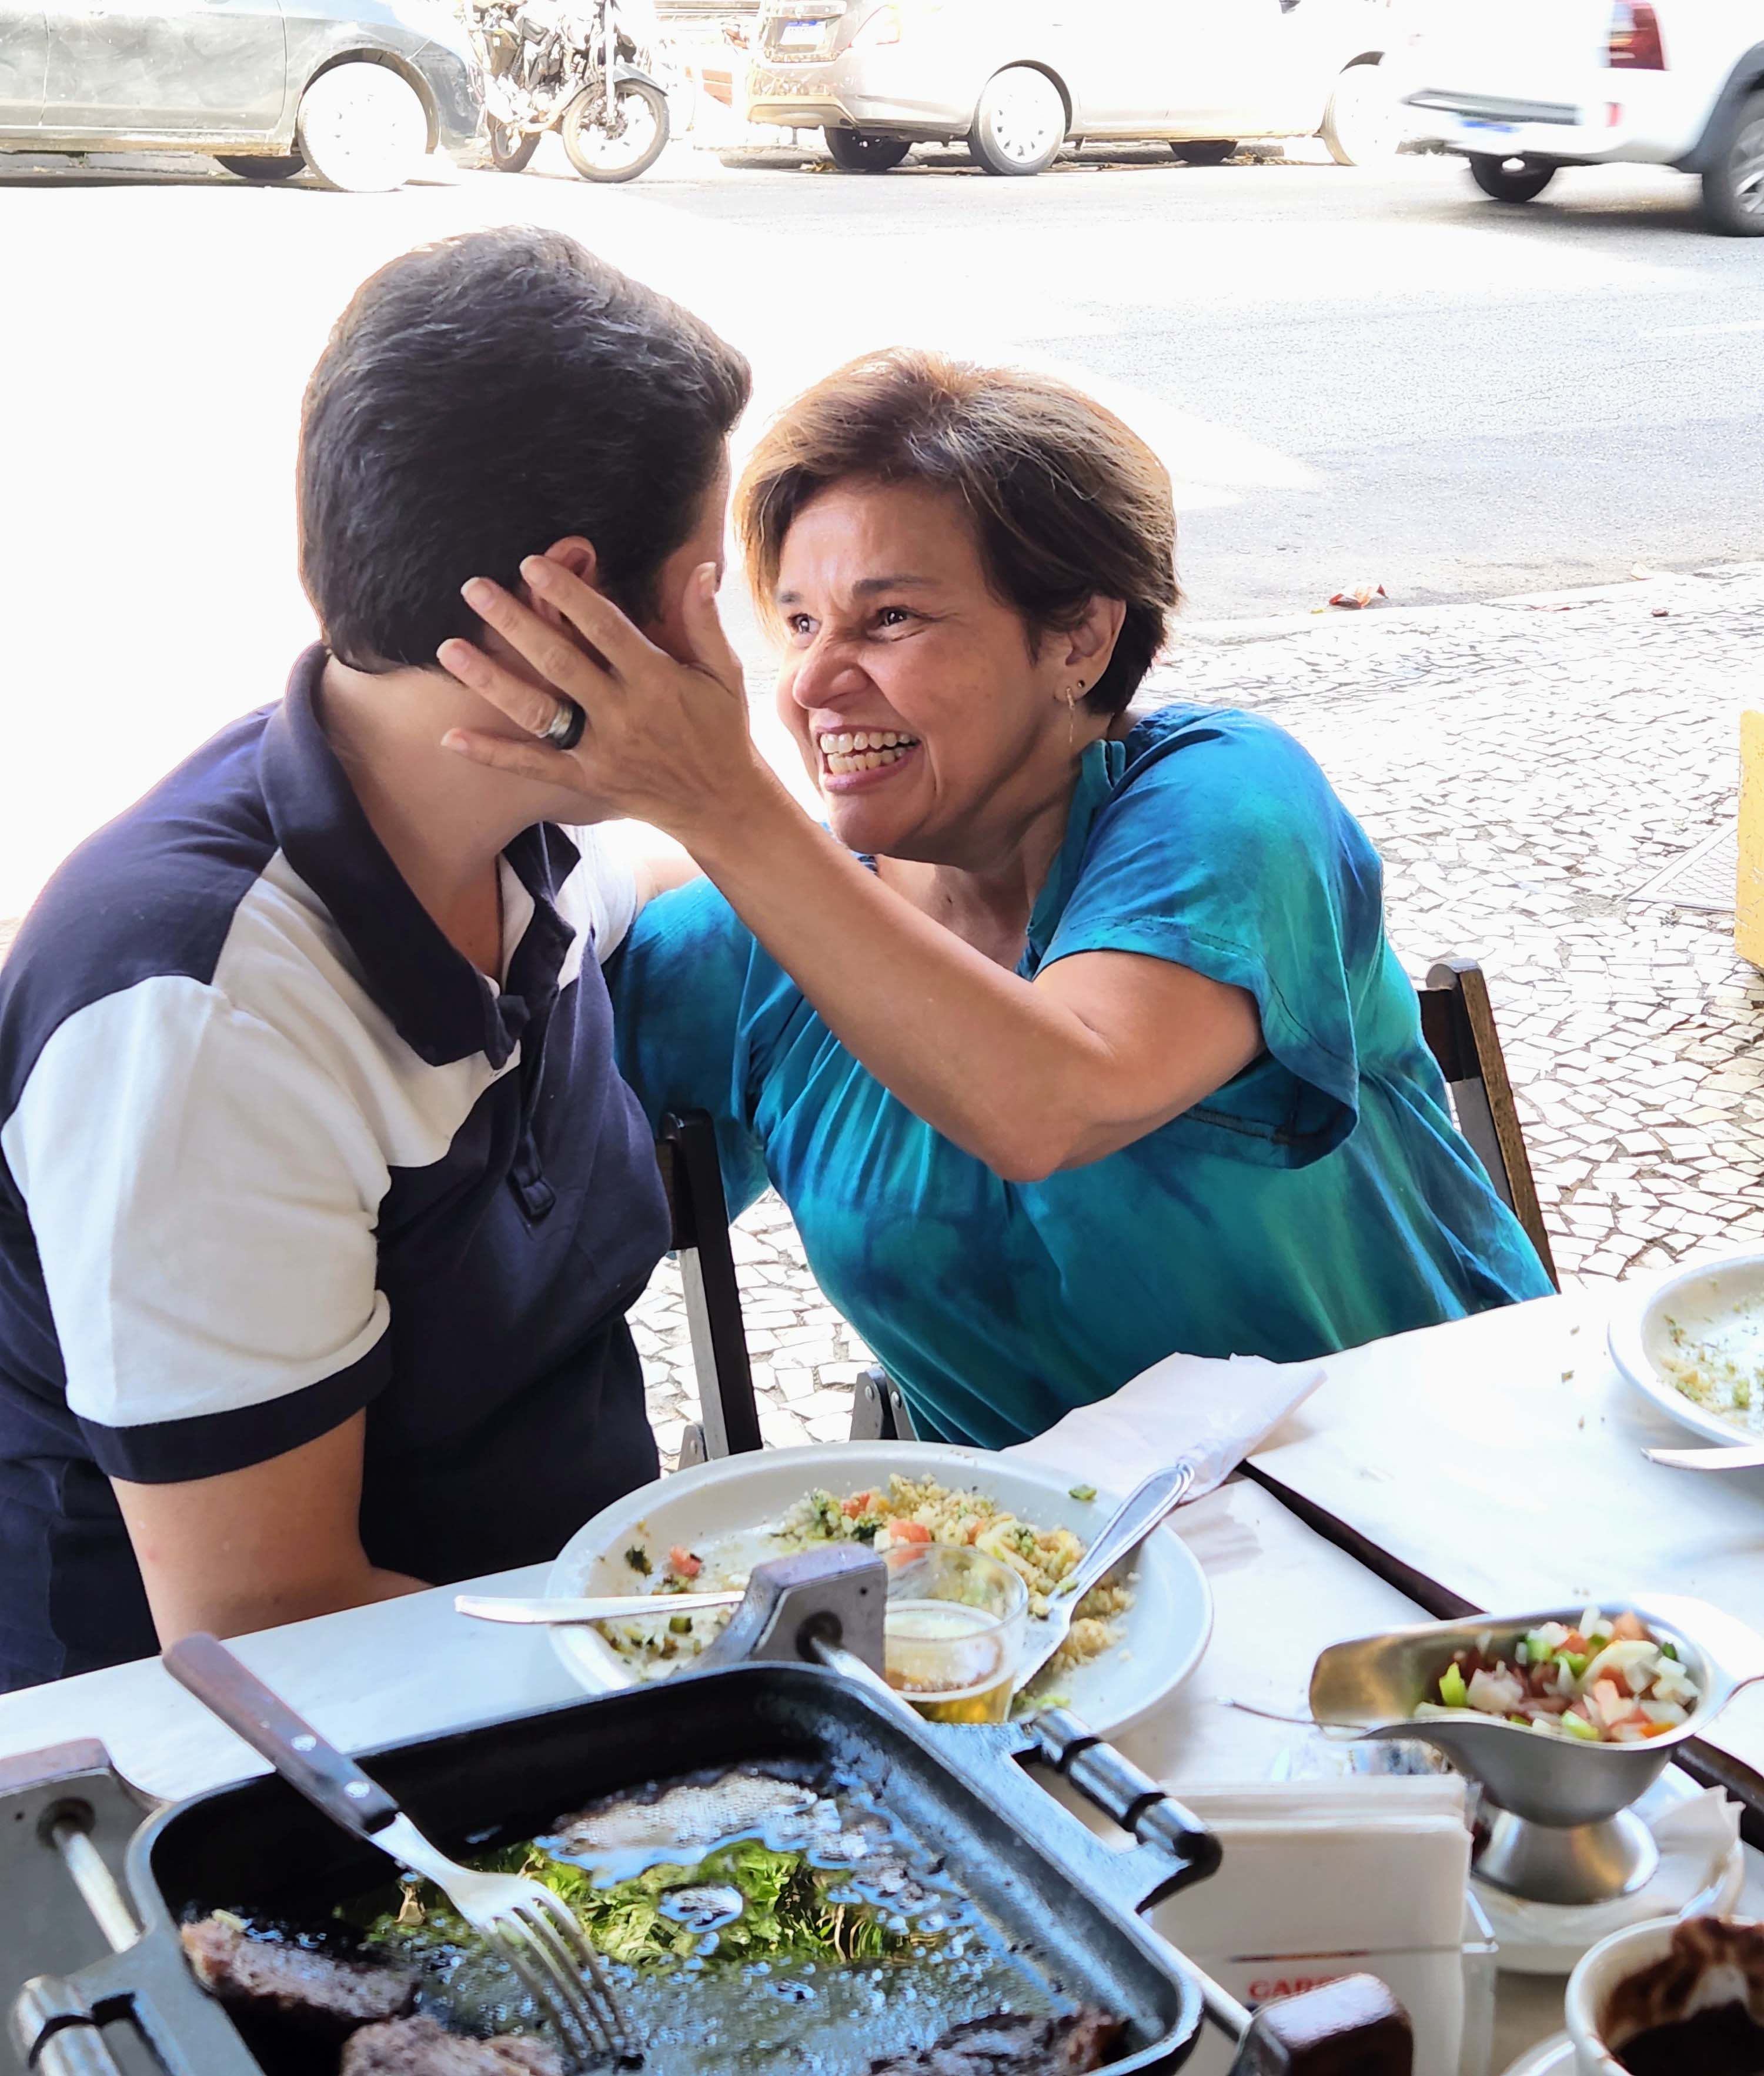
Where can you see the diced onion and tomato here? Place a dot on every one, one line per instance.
(1606, 1680)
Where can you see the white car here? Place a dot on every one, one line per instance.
(1522, 88)
(1018, 79)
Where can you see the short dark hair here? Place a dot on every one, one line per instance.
(481, 398)
(1067, 502)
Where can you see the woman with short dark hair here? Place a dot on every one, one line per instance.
(1075, 1039)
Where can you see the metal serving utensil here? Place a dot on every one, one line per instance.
(1741, 1456)
(1121, 1534)
(1562, 1830)
(594, 1608)
(533, 1931)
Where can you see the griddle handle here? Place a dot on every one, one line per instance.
(1182, 1848)
(1352, 2027)
(303, 1758)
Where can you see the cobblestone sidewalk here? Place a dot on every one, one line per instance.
(1523, 766)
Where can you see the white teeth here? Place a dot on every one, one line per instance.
(864, 749)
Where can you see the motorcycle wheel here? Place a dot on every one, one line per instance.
(643, 132)
(509, 152)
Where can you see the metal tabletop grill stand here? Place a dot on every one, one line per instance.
(828, 1606)
(68, 1810)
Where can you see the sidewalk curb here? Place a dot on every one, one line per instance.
(1230, 633)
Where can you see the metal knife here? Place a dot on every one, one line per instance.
(603, 1607)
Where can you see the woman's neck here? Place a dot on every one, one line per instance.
(987, 892)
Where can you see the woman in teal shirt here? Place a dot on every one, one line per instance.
(1078, 1040)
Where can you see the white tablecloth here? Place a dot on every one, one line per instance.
(1414, 1440)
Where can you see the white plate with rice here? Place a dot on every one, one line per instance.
(1695, 1345)
(1133, 1653)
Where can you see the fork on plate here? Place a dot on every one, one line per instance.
(533, 1930)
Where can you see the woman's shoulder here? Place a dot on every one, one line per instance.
(1159, 734)
(1224, 769)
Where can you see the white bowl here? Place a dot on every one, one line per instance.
(1723, 1296)
(1163, 1633)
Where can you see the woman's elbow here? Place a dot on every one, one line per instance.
(1023, 1152)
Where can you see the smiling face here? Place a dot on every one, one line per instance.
(933, 722)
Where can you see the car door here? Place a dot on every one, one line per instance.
(24, 64)
(1229, 73)
(1120, 53)
(170, 68)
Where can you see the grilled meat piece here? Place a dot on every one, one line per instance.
(1014, 2045)
(420, 2047)
(317, 1992)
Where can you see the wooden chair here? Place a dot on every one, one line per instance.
(692, 1176)
(1458, 1022)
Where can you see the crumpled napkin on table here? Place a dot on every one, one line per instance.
(1212, 1412)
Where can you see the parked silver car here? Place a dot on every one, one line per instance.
(353, 92)
(1019, 78)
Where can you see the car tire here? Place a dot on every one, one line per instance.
(1204, 151)
(264, 169)
(858, 152)
(1733, 179)
(1020, 124)
(1361, 125)
(361, 128)
(510, 153)
(642, 107)
(1502, 180)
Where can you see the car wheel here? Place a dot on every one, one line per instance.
(1362, 126)
(599, 154)
(1020, 123)
(1509, 179)
(264, 169)
(857, 152)
(1734, 179)
(1204, 151)
(361, 128)
(510, 152)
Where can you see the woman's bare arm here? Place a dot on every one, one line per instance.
(250, 1549)
(1028, 1077)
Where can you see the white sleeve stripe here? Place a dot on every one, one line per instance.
(204, 1197)
(205, 1445)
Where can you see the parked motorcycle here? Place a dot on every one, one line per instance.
(584, 67)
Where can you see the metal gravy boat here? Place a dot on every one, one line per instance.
(1560, 1829)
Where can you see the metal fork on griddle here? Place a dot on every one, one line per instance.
(533, 1930)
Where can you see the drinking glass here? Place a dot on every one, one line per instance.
(953, 1631)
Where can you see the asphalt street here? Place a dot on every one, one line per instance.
(1352, 374)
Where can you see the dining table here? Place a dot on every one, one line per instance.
(1494, 1462)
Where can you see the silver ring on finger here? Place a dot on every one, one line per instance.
(563, 731)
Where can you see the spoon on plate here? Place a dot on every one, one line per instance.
(594, 1607)
(1742, 1456)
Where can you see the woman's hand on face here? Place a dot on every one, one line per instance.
(665, 741)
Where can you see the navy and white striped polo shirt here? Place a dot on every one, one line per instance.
(272, 1151)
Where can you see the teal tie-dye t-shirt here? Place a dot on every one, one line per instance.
(1319, 1200)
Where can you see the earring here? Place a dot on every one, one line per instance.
(1073, 697)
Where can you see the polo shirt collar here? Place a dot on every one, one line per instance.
(436, 999)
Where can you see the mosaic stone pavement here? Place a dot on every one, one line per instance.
(1523, 766)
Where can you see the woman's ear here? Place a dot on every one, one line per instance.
(1089, 646)
(577, 557)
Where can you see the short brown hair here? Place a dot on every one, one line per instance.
(481, 398)
(1067, 504)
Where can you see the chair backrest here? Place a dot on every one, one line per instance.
(685, 1150)
(1458, 1021)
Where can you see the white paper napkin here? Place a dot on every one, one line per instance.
(1210, 1411)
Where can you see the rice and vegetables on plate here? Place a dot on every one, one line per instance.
(1607, 1680)
(1720, 1368)
(904, 1512)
